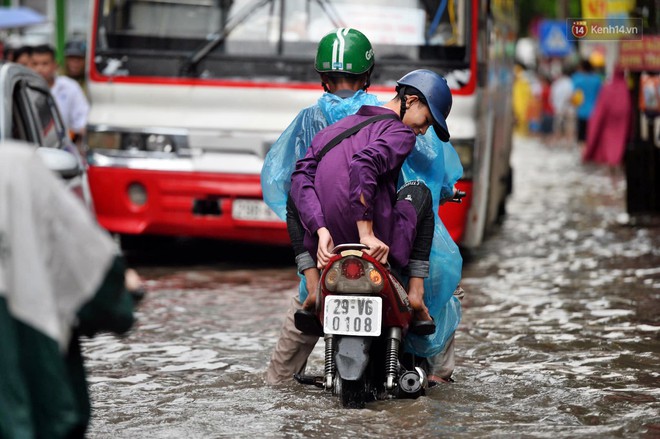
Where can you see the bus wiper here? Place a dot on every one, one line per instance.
(189, 66)
(330, 10)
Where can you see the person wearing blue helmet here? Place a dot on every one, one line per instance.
(433, 161)
(434, 92)
(360, 175)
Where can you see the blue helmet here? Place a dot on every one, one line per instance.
(435, 90)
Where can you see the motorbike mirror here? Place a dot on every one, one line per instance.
(62, 162)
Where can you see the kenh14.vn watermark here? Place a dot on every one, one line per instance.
(603, 29)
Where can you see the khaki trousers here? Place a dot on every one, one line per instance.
(292, 349)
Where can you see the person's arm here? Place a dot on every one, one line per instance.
(304, 260)
(304, 195)
(384, 153)
(377, 248)
(416, 298)
(305, 198)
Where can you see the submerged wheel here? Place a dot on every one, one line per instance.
(352, 393)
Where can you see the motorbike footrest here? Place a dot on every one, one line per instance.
(422, 327)
(307, 323)
(309, 380)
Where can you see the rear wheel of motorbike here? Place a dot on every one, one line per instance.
(352, 393)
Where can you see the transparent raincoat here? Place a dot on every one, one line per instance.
(432, 161)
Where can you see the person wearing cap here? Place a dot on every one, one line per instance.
(586, 87)
(74, 61)
(68, 94)
(345, 77)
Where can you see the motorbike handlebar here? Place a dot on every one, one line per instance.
(458, 197)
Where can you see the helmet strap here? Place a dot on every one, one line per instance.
(403, 99)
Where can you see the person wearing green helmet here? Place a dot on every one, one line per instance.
(345, 61)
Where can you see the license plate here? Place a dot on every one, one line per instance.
(353, 315)
(252, 210)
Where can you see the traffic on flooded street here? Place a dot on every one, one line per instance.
(558, 338)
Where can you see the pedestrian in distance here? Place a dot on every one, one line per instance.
(68, 94)
(433, 161)
(586, 86)
(23, 56)
(564, 113)
(609, 128)
(74, 61)
(547, 111)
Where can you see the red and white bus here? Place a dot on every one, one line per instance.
(188, 95)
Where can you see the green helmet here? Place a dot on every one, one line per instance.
(344, 50)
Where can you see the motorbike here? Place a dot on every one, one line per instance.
(363, 313)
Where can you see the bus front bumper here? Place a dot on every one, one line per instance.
(187, 204)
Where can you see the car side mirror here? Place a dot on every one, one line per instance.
(62, 162)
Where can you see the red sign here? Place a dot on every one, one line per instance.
(642, 55)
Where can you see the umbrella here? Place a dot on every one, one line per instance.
(13, 17)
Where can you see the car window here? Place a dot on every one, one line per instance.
(20, 121)
(48, 121)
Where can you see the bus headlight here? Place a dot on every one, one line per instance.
(160, 142)
(465, 150)
(166, 141)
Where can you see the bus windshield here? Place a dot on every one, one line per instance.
(273, 40)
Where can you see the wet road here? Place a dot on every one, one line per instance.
(560, 334)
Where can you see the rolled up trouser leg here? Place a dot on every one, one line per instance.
(419, 195)
(442, 364)
(291, 351)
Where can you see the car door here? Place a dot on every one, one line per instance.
(36, 119)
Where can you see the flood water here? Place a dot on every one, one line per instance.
(560, 334)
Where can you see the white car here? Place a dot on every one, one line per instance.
(29, 113)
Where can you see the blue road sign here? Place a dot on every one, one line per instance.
(553, 39)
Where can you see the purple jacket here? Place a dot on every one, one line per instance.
(327, 194)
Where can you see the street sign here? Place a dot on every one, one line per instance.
(553, 40)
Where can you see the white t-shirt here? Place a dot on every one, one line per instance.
(71, 102)
(560, 94)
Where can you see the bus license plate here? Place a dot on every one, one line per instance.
(353, 315)
(252, 210)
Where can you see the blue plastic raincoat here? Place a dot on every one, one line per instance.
(432, 161)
